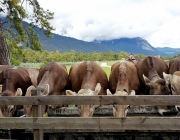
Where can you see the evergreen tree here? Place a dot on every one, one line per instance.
(15, 12)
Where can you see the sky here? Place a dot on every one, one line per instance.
(157, 21)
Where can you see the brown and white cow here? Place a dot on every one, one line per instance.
(123, 80)
(150, 73)
(53, 80)
(173, 78)
(87, 78)
(15, 82)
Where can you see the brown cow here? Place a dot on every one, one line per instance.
(173, 78)
(150, 73)
(15, 81)
(53, 80)
(123, 81)
(87, 78)
(33, 72)
(133, 58)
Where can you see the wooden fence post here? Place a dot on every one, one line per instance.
(36, 111)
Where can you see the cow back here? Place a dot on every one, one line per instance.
(124, 73)
(174, 65)
(150, 62)
(87, 75)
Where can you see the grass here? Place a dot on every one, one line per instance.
(69, 64)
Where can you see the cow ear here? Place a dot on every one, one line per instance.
(46, 90)
(69, 92)
(1, 88)
(18, 92)
(132, 93)
(167, 77)
(97, 88)
(146, 80)
(109, 92)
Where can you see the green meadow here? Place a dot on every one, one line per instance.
(107, 68)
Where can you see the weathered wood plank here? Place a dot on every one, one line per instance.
(104, 99)
(36, 111)
(107, 110)
(94, 123)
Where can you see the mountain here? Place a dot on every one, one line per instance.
(132, 45)
(169, 51)
(65, 44)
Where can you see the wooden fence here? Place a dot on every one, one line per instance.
(38, 123)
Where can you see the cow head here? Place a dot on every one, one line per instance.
(174, 81)
(28, 108)
(86, 110)
(8, 110)
(45, 92)
(120, 110)
(160, 87)
(133, 58)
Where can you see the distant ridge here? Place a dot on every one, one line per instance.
(130, 45)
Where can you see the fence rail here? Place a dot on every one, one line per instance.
(38, 123)
(94, 123)
(98, 100)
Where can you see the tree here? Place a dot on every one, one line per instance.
(16, 12)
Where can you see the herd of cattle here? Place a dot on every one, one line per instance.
(131, 76)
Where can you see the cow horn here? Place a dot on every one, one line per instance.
(18, 92)
(146, 79)
(167, 77)
(132, 93)
(69, 92)
(97, 88)
(109, 92)
(46, 90)
(28, 92)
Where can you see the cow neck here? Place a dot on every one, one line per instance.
(153, 74)
(179, 65)
(87, 80)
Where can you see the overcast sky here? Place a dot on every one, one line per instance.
(157, 21)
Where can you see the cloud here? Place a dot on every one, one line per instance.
(157, 21)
